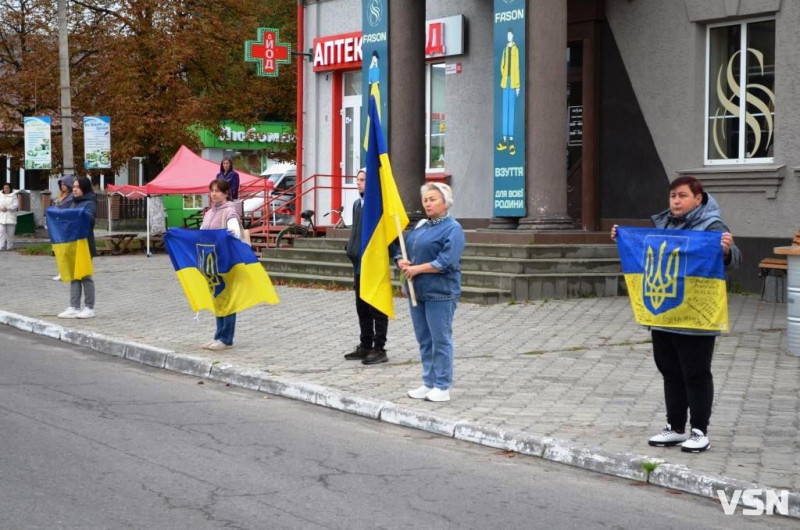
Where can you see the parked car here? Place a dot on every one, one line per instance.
(283, 177)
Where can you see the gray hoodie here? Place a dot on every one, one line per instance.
(68, 200)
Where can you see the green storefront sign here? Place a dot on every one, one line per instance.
(263, 138)
(264, 135)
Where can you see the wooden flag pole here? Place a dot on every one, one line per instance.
(411, 293)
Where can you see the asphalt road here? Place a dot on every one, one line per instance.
(92, 441)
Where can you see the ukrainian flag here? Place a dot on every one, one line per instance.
(675, 278)
(374, 92)
(217, 271)
(69, 233)
(379, 227)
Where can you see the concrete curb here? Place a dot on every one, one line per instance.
(419, 419)
(625, 465)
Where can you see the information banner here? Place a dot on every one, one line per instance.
(375, 62)
(38, 148)
(97, 142)
(509, 108)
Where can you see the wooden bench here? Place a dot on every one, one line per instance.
(774, 266)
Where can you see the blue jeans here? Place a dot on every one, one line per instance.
(433, 326)
(225, 328)
(509, 109)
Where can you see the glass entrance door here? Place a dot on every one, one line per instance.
(351, 139)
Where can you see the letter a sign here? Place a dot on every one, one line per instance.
(267, 52)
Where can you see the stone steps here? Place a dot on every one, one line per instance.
(491, 272)
(475, 295)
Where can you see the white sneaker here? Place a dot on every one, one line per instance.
(697, 443)
(70, 312)
(86, 312)
(437, 394)
(57, 278)
(668, 437)
(219, 345)
(419, 393)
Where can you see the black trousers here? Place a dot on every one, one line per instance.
(685, 363)
(372, 322)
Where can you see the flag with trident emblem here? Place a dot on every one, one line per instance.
(675, 278)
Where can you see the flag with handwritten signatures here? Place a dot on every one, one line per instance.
(675, 278)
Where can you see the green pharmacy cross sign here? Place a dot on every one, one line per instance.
(267, 52)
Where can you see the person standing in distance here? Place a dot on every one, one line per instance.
(8, 217)
(227, 174)
(83, 198)
(373, 323)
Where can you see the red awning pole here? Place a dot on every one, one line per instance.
(299, 138)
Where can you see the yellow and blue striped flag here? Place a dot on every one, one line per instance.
(378, 225)
(675, 278)
(69, 231)
(217, 271)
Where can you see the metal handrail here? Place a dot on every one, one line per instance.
(295, 195)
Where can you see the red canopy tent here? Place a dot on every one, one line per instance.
(187, 173)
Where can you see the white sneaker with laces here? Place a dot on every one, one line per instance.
(668, 437)
(697, 443)
(219, 345)
(86, 312)
(437, 394)
(419, 393)
(70, 312)
(57, 278)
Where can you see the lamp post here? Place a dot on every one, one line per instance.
(66, 97)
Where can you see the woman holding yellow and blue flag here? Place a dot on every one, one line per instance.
(434, 248)
(222, 214)
(682, 355)
(83, 198)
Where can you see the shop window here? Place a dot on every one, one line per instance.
(193, 202)
(740, 94)
(435, 116)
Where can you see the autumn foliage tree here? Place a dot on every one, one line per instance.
(156, 67)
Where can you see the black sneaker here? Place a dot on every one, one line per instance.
(358, 354)
(376, 357)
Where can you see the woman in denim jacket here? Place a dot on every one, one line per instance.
(434, 251)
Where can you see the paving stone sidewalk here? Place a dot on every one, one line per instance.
(574, 370)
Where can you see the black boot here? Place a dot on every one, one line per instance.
(358, 354)
(376, 357)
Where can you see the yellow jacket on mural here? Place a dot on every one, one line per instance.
(513, 64)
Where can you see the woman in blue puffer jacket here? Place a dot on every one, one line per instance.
(683, 356)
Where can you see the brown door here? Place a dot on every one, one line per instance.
(575, 131)
(582, 103)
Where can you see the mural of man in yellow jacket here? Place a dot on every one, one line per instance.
(509, 82)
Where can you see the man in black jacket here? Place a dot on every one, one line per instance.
(372, 322)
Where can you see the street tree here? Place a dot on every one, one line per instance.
(156, 68)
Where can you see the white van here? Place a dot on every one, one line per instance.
(283, 178)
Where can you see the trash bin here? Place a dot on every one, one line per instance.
(25, 223)
(793, 306)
